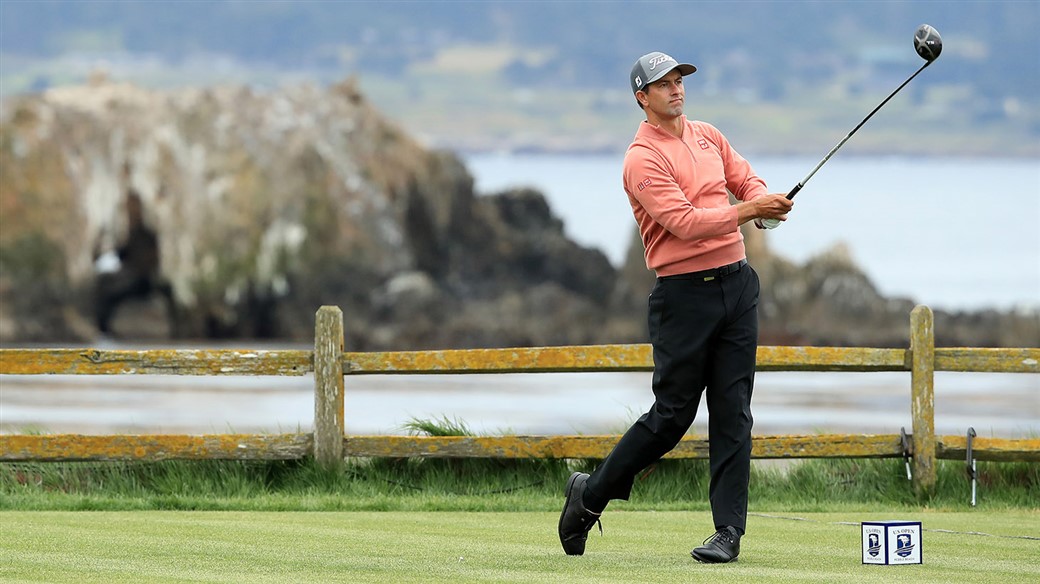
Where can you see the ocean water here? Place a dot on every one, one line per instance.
(1005, 405)
(950, 233)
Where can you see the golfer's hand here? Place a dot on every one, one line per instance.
(771, 209)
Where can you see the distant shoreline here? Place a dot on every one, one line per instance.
(464, 152)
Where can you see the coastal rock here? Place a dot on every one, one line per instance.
(264, 206)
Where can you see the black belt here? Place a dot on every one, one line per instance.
(707, 275)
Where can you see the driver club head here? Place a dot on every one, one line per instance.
(927, 42)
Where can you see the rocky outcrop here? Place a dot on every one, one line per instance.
(264, 205)
(829, 301)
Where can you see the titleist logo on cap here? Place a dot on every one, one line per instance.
(654, 62)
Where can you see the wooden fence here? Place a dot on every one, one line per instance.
(330, 365)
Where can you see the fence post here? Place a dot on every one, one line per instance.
(922, 398)
(328, 386)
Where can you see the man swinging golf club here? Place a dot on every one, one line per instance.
(703, 311)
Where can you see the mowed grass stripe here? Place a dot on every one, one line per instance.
(391, 547)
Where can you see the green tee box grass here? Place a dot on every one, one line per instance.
(393, 547)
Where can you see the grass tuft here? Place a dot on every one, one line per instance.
(437, 427)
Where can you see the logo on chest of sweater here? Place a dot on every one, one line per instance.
(703, 144)
(642, 185)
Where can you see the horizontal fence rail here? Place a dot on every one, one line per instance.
(76, 447)
(331, 365)
(595, 358)
(154, 362)
(156, 447)
(820, 446)
(588, 358)
(988, 360)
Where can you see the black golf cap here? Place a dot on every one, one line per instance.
(653, 66)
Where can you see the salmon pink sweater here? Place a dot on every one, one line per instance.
(678, 192)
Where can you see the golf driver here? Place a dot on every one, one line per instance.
(928, 45)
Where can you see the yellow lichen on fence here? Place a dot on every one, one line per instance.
(1023, 360)
(154, 362)
(589, 358)
(597, 447)
(1000, 449)
(831, 359)
(71, 447)
(518, 360)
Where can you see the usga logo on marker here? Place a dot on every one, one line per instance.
(891, 542)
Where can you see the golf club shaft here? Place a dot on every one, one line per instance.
(801, 184)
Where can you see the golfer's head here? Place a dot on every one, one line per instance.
(652, 67)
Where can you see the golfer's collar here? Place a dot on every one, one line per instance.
(659, 129)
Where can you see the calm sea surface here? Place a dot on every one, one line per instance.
(1002, 405)
(949, 233)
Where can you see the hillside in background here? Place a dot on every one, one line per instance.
(778, 77)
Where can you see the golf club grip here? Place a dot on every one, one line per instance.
(794, 191)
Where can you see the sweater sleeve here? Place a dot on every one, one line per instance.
(648, 181)
(741, 179)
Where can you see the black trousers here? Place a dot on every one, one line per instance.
(705, 336)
